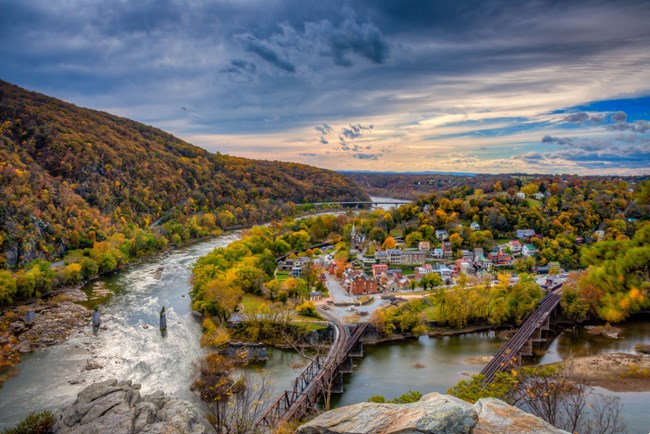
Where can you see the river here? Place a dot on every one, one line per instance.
(130, 346)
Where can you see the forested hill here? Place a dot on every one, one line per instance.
(70, 176)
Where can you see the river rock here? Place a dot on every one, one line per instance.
(434, 413)
(117, 407)
(497, 417)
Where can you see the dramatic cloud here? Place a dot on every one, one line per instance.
(406, 85)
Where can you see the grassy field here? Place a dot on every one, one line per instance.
(252, 303)
(533, 203)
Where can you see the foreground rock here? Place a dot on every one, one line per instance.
(117, 407)
(434, 413)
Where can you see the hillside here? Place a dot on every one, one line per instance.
(71, 176)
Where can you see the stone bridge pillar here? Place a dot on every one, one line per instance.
(357, 350)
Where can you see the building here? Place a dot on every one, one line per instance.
(475, 226)
(515, 246)
(442, 235)
(406, 257)
(437, 253)
(424, 246)
(525, 233)
(377, 269)
(521, 195)
(419, 272)
(539, 196)
(529, 250)
(447, 250)
(362, 284)
(381, 257)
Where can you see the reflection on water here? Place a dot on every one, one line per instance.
(129, 344)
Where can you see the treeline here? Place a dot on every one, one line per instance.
(221, 278)
(616, 282)
(459, 306)
(71, 176)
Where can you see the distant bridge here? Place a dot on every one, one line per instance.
(393, 202)
(323, 375)
(521, 343)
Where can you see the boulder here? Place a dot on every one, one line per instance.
(434, 413)
(497, 417)
(117, 407)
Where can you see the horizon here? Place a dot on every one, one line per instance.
(479, 87)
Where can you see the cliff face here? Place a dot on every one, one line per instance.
(434, 413)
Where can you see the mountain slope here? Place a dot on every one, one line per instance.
(70, 176)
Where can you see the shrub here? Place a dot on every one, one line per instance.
(34, 423)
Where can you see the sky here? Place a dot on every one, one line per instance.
(475, 86)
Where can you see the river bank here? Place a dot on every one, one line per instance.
(617, 372)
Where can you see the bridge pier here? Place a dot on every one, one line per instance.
(357, 350)
(346, 366)
(337, 383)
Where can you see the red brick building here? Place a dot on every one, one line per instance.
(362, 285)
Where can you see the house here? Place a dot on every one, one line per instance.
(521, 195)
(391, 285)
(478, 251)
(482, 262)
(403, 283)
(539, 196)
(529, 250)
(500, 259)
(424, 246)
(525, 233)
(514, 246)
(377, 269)
(361, 284)
(442, 235)
(394, 273)
(419, 272)
(475, 226)
(447, 250)
(467, 254)
(315, 296)
(285, 265)
(437, 253)
(599, 234)
(296, 271)
(462, 266)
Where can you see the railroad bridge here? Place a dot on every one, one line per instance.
(322, 376)
(521, 343)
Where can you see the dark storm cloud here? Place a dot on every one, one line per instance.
(258, 66)
(265, 51)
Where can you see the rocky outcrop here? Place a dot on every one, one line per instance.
(497, 417)
(434, 413)
(117, 407)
